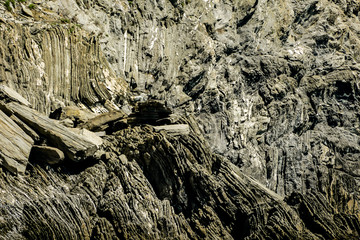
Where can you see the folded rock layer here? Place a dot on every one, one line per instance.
(218, 119)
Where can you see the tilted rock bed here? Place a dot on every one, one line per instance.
(270, 86)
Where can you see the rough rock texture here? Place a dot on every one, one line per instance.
(15, 145)
(54, 63)
(76, 146)
(270, 92)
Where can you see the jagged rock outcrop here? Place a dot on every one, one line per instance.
(239, 119)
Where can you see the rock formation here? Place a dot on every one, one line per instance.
(179, 119)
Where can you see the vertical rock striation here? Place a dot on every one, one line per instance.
(264, 95)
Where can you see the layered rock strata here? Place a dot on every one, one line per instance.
(259, 100)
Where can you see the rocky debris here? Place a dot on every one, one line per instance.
(15, 145)
(174, 129)
(103, 121)
(76, 147)
(170, 187)
(45, 154)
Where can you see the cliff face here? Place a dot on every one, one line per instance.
(53, 62)
(268, 90)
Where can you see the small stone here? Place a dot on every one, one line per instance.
(174, 129)
(123, 159)
(27, 11)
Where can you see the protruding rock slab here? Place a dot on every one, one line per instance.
(15, 145)
(25, 128)
(101, 122)
(75, 146)
(9, 93)
(90, 136)
(174, 129)
(27, 11)
(47, 154)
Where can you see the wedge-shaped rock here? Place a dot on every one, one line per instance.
(102, 121)
(15, 145)
(74, 146)
(11, 94)
(174, 129)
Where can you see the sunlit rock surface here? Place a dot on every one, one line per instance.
(265, 95)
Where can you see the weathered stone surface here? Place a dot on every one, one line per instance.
(47, 154)
(15, 145)
(50, 64)
(75, 146)
(273, 86)
(103, 121)
(8, 93)
(25, 128)
(89, 136)
(75, 114)
(174, 129)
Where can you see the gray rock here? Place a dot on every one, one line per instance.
(89, 136)
(26, 128)
(273, 88)
(174, 129)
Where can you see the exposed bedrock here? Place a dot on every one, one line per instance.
(216, 119)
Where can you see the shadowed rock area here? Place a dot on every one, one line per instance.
(179, 119)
